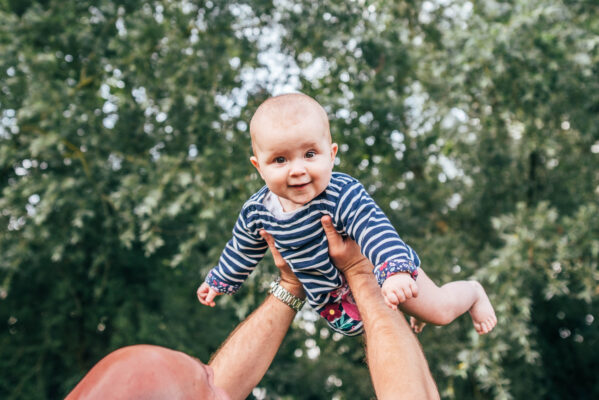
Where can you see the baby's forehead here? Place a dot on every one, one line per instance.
(286, 110)
(290, 109)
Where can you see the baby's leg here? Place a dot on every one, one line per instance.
(441, 305)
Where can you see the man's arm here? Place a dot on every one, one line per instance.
(245, 356)
(397, 364)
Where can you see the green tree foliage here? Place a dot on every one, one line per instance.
(120, 178)
(123, 164)
(488, 108)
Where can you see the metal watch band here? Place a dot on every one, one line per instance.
(282, 294)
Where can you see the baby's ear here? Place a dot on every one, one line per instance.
(256, 165)
(334, 149)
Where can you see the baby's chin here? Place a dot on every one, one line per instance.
(293, 203)
(304, 202)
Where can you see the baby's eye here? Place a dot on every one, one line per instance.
(310, 154)
(279, 160)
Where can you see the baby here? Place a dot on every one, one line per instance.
(294, 154)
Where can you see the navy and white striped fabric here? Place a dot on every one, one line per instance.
(303, 244)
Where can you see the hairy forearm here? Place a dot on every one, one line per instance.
(397, 364)
(246, 355)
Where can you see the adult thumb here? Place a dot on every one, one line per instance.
(332, 236)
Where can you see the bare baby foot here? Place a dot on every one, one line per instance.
(482, 313)
(416, 324)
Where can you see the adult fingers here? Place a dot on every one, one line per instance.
(285, 271)
(345, 253)
(333, 237)
(279, 261)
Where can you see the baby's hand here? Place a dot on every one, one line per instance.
(399, 288)
(206, 295)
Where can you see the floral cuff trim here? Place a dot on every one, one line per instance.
(217, 284)
(392, 267)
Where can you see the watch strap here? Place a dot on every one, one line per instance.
(283, 294)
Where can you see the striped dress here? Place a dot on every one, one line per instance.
(302, 243)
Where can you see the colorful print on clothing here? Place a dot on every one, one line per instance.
(219, 285)
(388, 268)
(342, 313)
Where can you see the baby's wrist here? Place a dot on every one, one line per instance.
(392, 267)
(397, 276)
(216, 284)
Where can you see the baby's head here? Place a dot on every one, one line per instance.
(292, 146)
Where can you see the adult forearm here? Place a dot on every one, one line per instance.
(396, 362)
(246, 355)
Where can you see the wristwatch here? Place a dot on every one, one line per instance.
(282, 294)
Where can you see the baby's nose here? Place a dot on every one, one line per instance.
(297, 168)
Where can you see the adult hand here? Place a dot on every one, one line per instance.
(242, 361)
(288, 279)
(390, 344)
(344, 252)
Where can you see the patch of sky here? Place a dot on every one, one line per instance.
(421, 114)
(139, 94)
(192, 152)
(449, 167)
(187, 7)
(8, 123)
(453, 118)
(276, 72)
(155, 151)
(115, 161)
(120, 26)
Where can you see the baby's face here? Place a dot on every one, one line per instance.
(295, 158)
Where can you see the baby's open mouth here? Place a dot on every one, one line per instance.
(300, 186)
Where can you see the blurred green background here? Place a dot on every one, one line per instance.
(124, 152)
